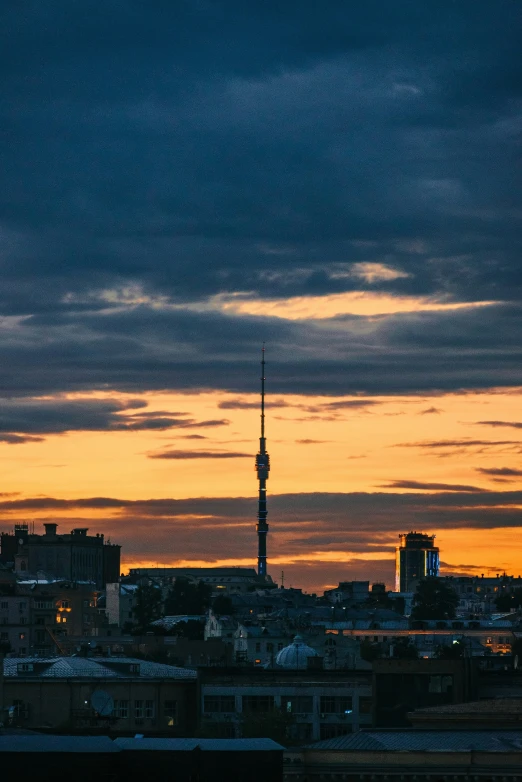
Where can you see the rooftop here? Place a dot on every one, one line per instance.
(92, 667)
(495, 706)
(425, 741)
(224, 745)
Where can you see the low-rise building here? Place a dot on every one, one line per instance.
(37, 616)
(259, 644)
(120, 693)
(320, 703)
(411, 756)
(120, 600)
(222, 580)
(75, 556)
(402, 686)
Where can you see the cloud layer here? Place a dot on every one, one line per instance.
(282, 153)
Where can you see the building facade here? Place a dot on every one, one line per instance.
(76, 556)
(417, 557)
(222, 580)
(321, 704)
(65, 693)
(37, 618)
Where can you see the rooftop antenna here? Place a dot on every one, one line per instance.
(262, 469)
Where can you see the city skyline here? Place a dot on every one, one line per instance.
(185, 182)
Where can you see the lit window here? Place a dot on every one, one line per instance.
(170, 712)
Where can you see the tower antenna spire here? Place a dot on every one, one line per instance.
(262, 469)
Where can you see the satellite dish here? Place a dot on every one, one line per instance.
(102, 703)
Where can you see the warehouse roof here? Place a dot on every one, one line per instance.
(425, 741)
(95, 667)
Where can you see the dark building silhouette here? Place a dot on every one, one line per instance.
(417, 557)
(76, 556)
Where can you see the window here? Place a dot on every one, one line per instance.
(440, 684)
(225, 704)
(121, 709)
(134, 668)
(21, 636)
(149, 710)
(270, 647)
(258, 703)
(24, 667)
(22, 620)
(335, 704)
(279, 647)
(17, 707)
(40, 620)
(331, 731)
(258, 647)
(22, 606)
(64, 604)
(4, 604)
(43, 604)
(138, 710)
(297, 704)
(170, 713)
(22, 650)
(4, 636)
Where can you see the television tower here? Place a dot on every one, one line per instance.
(262, 469)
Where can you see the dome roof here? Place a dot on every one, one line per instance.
(295, 655)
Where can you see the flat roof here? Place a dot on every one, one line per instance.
(46, 743)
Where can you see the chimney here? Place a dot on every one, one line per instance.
(50, 529)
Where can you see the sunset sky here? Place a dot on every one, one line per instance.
(183, 181)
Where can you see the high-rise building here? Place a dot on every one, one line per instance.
(417, 557)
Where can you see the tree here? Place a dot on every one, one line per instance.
(505, 602)
(193, 630)
(185, 597)
(148, 605)
(369, 651)
(275, 724)
(451, 652)
(222, 605)
(404, 649)
(434, 599)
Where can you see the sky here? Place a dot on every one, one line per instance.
(182, 182)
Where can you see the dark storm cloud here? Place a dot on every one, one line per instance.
(363, 512)
(19, 439)
(421, 486)
(240, 404)
(199, 455)
(22, 419)
(310, 442)
(449, 447)
(187, 149)
(98, 350)
(504, 472)
(508, 424)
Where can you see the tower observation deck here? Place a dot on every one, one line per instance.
(262, 469)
